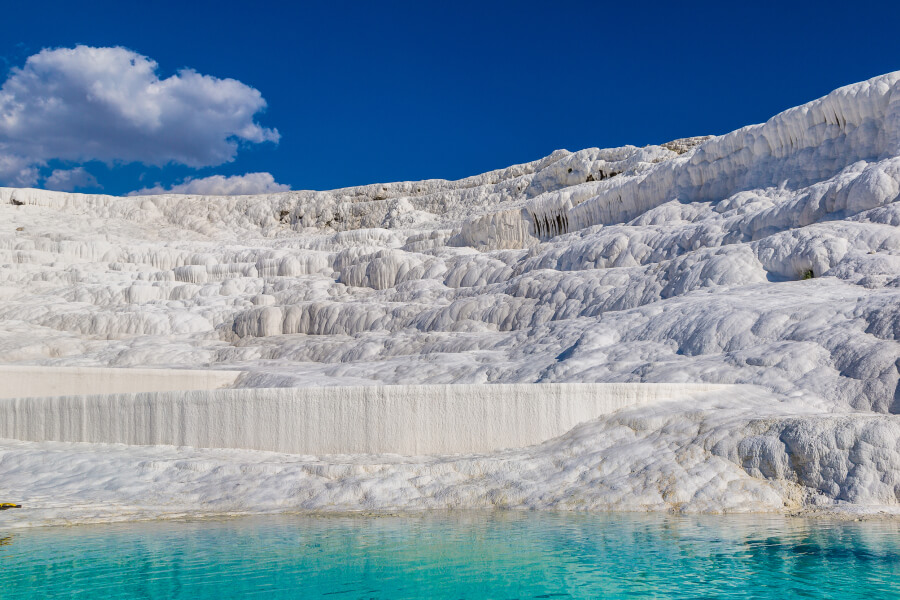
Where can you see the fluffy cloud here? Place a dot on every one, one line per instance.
(16, 171)
(66, 180)
(108, 104)
(219, 185)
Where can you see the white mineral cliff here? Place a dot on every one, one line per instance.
(768, 256)
(363, 419)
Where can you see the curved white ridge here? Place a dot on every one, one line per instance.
(767, 256)
(798, 147)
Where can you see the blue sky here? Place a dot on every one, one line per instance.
(384, 91)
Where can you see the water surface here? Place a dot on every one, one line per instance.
(467, 555)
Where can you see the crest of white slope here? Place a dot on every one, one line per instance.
(769, 255)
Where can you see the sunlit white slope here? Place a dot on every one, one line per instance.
(769, 255)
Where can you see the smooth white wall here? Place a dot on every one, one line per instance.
(409, 420)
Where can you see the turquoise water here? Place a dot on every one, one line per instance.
(493, 555)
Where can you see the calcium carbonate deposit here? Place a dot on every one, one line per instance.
(767, 256)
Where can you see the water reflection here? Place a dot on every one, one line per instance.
(467, 555)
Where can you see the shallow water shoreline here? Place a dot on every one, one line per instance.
(459, 554)
(842, 513)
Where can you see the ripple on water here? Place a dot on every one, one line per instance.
(468, 555)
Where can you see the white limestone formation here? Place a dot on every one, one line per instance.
(30, 382)
(766, 256)
(393, 419)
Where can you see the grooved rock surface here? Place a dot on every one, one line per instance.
(395, 419)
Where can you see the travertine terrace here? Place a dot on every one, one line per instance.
(766, 256)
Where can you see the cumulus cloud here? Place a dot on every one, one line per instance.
(66, 180)
(16, 171)
(109, 104)
(219, 185)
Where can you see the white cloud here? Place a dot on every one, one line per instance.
(66, 180)
(219, 185)
(15, 171)
(108, 104)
